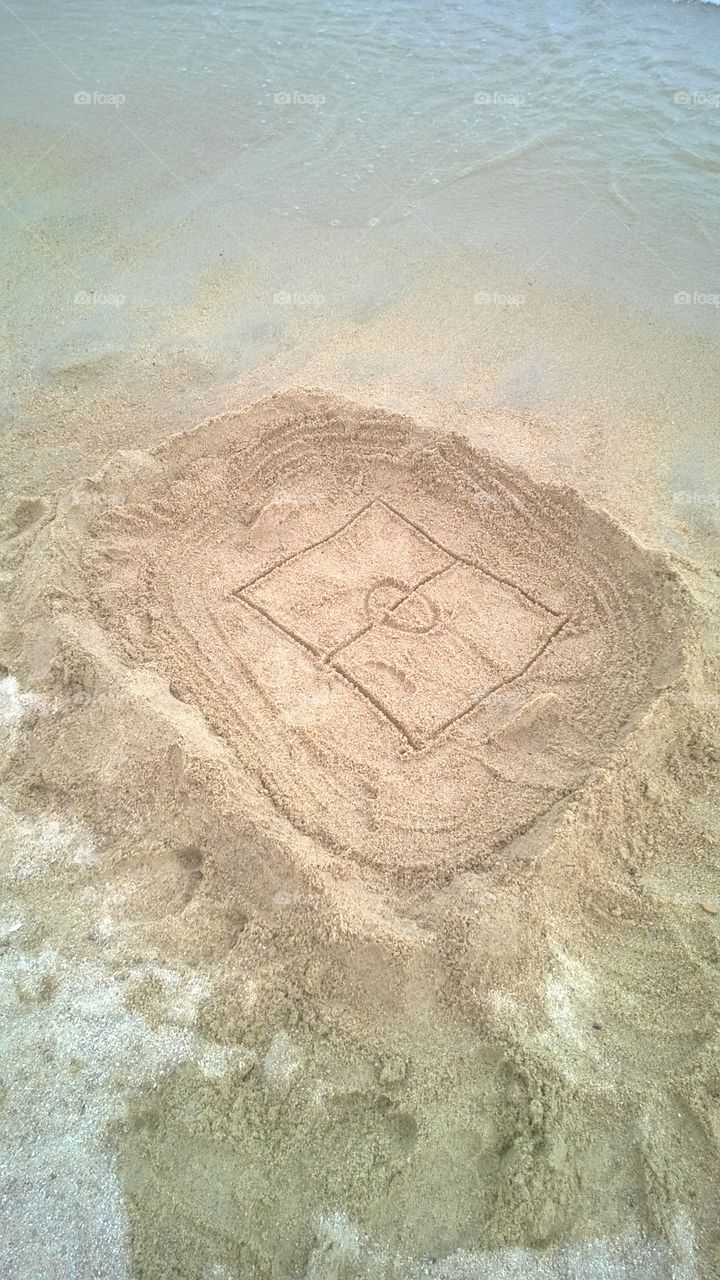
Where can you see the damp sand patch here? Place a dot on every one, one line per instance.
(416, 652)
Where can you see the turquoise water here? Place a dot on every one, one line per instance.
(201, 200)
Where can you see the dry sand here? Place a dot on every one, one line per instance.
(401, 762)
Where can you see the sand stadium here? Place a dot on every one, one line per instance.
(415, 653)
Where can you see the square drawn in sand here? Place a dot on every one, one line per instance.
(328, 593)
(420, 632)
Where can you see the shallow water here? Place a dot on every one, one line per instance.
(580, 138)
(516, 210)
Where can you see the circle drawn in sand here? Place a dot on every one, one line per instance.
(416, 679)
(382, 603)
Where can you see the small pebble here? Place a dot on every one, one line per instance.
(710, 907)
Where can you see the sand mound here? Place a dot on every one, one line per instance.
(293, 699)
(416, 652)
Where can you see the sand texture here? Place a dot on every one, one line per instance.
(413, 651)
(409, 757)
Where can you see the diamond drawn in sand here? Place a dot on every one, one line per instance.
(419, 631)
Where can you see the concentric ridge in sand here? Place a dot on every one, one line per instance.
(417, 651)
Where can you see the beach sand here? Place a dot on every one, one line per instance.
(360, 871)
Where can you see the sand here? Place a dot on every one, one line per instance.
(406, 759)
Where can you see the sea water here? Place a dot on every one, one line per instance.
(513, 206)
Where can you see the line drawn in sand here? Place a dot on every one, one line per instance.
(415, 628)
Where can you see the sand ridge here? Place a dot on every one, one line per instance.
(415, 651)
(445, 955)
